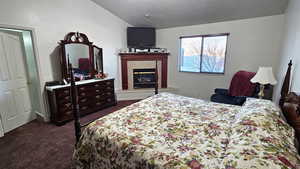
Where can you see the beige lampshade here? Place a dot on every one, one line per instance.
(264, 76)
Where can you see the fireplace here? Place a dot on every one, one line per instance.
(131, 61)
(143, 78)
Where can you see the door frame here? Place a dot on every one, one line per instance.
(40, 79)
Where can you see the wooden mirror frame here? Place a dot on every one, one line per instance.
(75, 38)
(101, 50)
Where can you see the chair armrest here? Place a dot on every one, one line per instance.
(222, 91)
(240, 100)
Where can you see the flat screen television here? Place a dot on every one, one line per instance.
(140, 37)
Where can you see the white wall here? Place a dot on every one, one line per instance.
(252, 43)
(52, 20)
(291, 47)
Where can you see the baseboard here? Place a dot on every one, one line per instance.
(41, 117)
(139, 94)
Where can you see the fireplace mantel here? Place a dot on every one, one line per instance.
(163, 57)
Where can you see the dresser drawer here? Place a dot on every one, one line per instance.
(65, 116)
(99, 103)
(109, 83)
(98, 91)
(97, 85)
(104, 101)
(64, 106)
(110, 100)
(102, 96)
(98, 97)
(108, 93)
(84, 107)
(86, 101)
(85, 88)
(102, 84)
(83, 100)
(68, 113)
(62, 93)
(108, 88)
(64, 100)
(92, 97)
(104, 90)
(86, 94)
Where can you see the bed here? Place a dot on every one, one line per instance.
(171, 131)
(168, 131)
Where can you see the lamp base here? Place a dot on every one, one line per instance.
(261, 91)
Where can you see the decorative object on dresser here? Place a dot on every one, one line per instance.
(264, 76)
(155, 57)
(95, 90)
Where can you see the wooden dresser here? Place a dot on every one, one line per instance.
(94, 95)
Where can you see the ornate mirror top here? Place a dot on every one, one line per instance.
(76, 37)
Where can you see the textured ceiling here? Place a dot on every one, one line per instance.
(171, 13)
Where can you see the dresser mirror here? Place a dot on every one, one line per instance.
(86, 58)
(98, 59)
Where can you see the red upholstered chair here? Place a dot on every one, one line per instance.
(240, 88)
(84, 64)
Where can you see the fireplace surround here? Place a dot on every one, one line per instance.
(137, 60)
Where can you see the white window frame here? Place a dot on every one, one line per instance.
(202, 36)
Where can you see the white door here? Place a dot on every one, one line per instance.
(15, 105)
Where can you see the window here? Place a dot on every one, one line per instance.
(203, 54)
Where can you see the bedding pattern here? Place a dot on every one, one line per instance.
(169, 131)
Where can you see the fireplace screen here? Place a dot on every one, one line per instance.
(143, 78)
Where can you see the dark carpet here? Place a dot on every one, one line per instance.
(39, 145)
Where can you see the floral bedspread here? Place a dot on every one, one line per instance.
(170, 131)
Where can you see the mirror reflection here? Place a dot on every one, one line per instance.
(79, 57)
(98, 61)
(86, 58)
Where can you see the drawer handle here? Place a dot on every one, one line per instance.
(96, 85)
(109, 100)
(108, 83)
(68, 105)
(66, 91)
(83, 100)
(98, 97)
(108, 87)
(68, 112)
(67, 97)
(98, 103)
(97, 91)
(82, 94)
(84, 108)
(108, 93)
(82, 88)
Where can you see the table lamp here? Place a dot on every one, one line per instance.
(264, 76)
